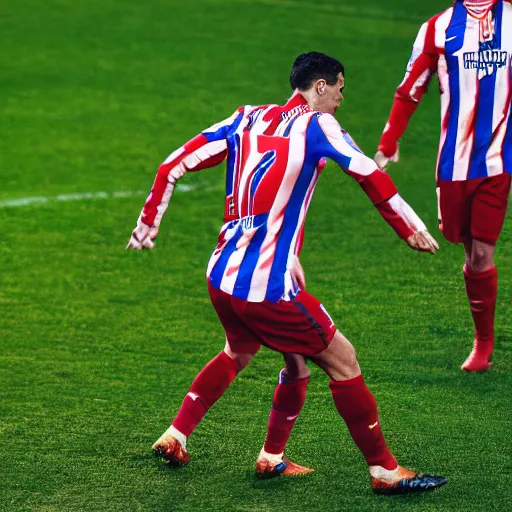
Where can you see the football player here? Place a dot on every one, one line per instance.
(470, 47)
(275, 155)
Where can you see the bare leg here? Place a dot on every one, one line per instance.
(339, 359)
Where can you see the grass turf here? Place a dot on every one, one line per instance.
(99, 346)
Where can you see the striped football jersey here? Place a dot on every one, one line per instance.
(274, 157)
(471, 51)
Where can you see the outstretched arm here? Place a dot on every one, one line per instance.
(422, 66)
(208, 149)
(377, 185)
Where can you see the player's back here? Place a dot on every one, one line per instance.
(269, 184)
(474, 70)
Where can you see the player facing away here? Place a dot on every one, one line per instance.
(274, 156)
(470, 47)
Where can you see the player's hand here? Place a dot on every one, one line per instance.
(298, 274)
(423, 241)
(382, 160)
(143, 237)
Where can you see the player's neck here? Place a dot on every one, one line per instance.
(311, 99)
(479, 8)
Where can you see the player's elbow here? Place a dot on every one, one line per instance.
(173, 174)
(407, 95)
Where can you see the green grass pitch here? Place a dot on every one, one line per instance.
(98, 345)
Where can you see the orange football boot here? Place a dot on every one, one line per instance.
(267, 469)
(171, 450)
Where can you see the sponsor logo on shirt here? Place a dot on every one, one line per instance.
(487, 60)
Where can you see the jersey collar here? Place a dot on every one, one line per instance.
(296, 100)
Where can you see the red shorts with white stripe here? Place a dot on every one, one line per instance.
(300, 326)
(473, 209)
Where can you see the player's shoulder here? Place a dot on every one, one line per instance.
(327, 121)
(431, 33)
(440, 18)
(330, 126)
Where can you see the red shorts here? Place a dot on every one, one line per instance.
(473, 209)
(300, 326)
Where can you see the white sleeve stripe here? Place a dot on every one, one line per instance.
(174, 155)
(407, 213)
(189, 162)
(205, 152)
(422, 80)
(162, 207)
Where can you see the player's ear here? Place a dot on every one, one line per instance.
(320, 87)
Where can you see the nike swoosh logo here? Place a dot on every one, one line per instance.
(371, 427)
(451, 38)
(194, 396)
(291, 418)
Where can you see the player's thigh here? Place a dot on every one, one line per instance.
(300, 326)
(239, 339)
(489, 208)
(454, 207)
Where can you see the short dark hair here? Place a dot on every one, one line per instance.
(312, 66)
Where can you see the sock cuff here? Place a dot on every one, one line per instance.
(344, 384)
(491, 272)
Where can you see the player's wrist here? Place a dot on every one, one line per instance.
(388, 148)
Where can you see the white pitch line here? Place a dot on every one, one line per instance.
(27, 201)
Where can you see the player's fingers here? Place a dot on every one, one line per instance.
(412, 242)
(381, 160)
(432, 241)
(423, 242)
(133, 244)
(426, 243)
(433, 247)
(148, 243)
(298, 276)
(302, 279)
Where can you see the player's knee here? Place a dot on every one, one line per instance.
(339, 360)
(296, 368)
(296, 373)
(481, 260)
(242, 360)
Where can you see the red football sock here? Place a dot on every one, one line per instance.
(482, 290)
(207, 388)
(289, 397)
(357, 406)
